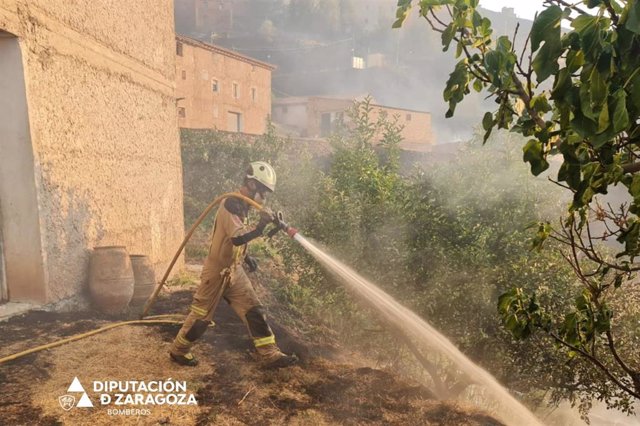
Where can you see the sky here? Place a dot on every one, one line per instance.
(524, 8)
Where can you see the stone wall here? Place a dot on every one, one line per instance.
(100, 89)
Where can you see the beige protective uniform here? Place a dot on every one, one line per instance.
(223, 276)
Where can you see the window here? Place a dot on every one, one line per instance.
(214, 85)
(215, 111)
(179, 48)
(408, 117)
(184, 75)
(325, 124)
(235, 121)
(357, 62)
(254, 94)
(235, 91)
(182, 112)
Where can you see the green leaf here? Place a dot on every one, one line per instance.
(570, 173)
(620, 113)
(487, 121)
(603, 120)
(447, 36)
(505, 301)
(587, 27)
(546, 61)
(540, 103)
(584, 23)
(457, 87)
(404, 6)
(478, 85)
(630, 238)
(633, 18)
(598, 87)
(618, 281)
(546, 27)
(534, 155)
(544, 230)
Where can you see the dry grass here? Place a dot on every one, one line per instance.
(230, 388)
(126, 353)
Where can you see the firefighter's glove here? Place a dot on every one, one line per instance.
(266, 217)
(252, 263)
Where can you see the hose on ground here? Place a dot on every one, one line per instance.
(87, 334)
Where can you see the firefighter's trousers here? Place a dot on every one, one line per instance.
(237, 290)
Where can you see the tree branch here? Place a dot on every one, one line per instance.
(569, 5)
(631, 167)
(527, 102)
(597, 363)
(614, 352)
(612, 12)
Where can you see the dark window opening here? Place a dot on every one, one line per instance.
(325, 124)
(235, 122)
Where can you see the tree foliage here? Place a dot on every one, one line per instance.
(573, 91)
(445, 243)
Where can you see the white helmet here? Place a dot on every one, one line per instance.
(263, 173)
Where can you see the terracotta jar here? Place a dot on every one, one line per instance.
(111, 279)
(145, 279)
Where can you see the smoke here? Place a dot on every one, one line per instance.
(313, 44)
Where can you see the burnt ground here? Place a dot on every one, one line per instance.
(230, 387)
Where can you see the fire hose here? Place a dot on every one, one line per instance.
(169, 318)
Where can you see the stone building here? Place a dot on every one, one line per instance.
(316, 117)
(89, 143)
(221, 89)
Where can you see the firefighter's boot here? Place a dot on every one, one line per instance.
(271, 357)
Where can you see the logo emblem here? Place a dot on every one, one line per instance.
(67, 402)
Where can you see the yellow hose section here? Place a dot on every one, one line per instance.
(204, 214)
(156, 319)
(87, 334)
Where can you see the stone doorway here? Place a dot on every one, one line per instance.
(22, 277)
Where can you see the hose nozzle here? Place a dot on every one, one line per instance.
(291, 231)
(281, 225)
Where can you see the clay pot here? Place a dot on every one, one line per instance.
(111, 279)
(145, 279)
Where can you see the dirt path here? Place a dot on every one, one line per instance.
(228, 385)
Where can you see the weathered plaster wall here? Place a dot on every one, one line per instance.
(101, 96)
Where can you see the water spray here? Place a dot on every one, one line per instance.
(409, 323)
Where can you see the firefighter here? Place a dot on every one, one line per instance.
(223, 275)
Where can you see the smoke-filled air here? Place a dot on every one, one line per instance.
(323, 212)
